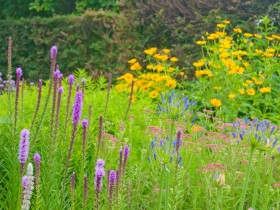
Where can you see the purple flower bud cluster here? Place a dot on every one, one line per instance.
(37, 160)
(99, 174)
(71, 79)
(112, 181)
(53, 52)
(124, 153)
(77, 108)
(19, 72)
(23, 148)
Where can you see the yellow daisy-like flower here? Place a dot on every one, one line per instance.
(174, 59)
(265, 89)
(221, 25)
(171, 69)
(249, 82)
(201, 42)
(251, 91)
(257, 36)
(237, 30)
(166, 51)
(154, 94)
(136, 66)
(171, 83)
(216, 102)
(150, 51)
(248, 34)
(132, 61)
(231, 96)
(199, 63)
(226, 21)
(241, 91)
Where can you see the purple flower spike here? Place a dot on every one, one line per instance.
(126, 151)
(56, 73)
(19, 72)
(100, 163)
(60, 89)
(71, 79)
(85, 123)
(99, 174)
(77, 108)
(53, 51)
(37, 159)
(112, 177)
(23, 148)
(24, 181)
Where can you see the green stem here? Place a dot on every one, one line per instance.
(167, 188)
(257, 180)
(246, 181)
(161, 188)
(266, 195)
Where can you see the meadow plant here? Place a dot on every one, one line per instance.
(99, 174)
(71, 80)
(23, 148)
(72, 186)
(28, 186)
(19, 74)
(85, 192)
(156, 74)
(55, 84)
(60, 91)
(112, 181)
(238, 71)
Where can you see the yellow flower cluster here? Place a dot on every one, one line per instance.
(231, 63)
(154, 76)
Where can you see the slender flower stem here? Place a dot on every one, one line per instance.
(38, 102)
(130, 99)
(246, 181)
(266, 194)
(257, 180)
(161, 188)
(167, 188)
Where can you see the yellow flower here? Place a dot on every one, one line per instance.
(199, 63)
(258, 51)
(249, 82)
(174, 59)
(161, 57)
(246, 64)
(150, 51)
(171, 83)
(182, 73)
(248, 34)
(133, 98)
(224, 55)
(159, 68)
(275, 36)
(120, 87)
(154, 94)
(150, 66)
(201, 42)
(171, 69)
(245, 84)
(241, 91)
(237, 30)
(270, 50)
(257, 36)
(251, 92)
(133, 60)
(226, 21)
(135, 66)
(216, 102)
(221, 25)
(166, 51)
(199, 73)
(265, 89)
(269, 38)
(258, 82)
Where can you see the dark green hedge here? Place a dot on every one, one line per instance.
(97, 41)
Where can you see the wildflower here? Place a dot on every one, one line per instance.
(171, 83)
(126, 151)
(136, 66)
(237, 30)
(23, 148)
(251, 91)
(132, 61)
(28, 186)
(150, 51)
(37, 160)
(231, 96)
(199, 63)
(265, 89)
(53, 52)
(220, 25)
(154, 94)
(112, 180)
(77, 108)
(226, 21)
(174, 59)
(248, 34)
(257, 36)
(216, 102)
(166, 51)
(241, 91)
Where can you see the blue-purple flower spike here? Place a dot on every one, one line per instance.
(23, 148)
(77, 108)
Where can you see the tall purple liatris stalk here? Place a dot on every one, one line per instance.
(84, 125)
(37, 160)
(55, 81)
(99, 174)
(19, 74)
(99, 143)
(126, 151)
(23, 148)
(112, 180)
(28, 186)
(60, 91)
(76, 116)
